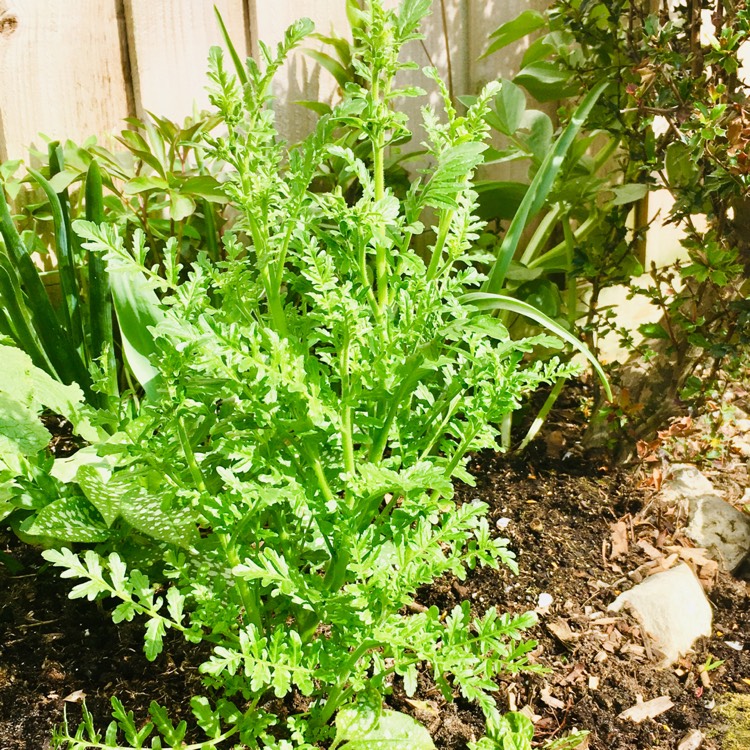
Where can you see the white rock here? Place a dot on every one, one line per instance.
(722, 529)
(693, 740)
(545, 601)
(713, 523)
(672, 610)
(686, 482)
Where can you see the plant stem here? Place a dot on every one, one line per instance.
(347, 440)
(334, 697)
(250, 598)
(571, 289)
(541, 417)
(444, 227)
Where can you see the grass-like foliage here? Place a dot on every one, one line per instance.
(286, 487)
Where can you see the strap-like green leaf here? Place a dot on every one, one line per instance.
(540, 188)
(490, 301)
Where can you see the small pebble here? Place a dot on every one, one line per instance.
(502, 523)
(544, 601)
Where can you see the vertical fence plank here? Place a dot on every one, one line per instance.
(169, 42)
(300, 78)
(61, 67)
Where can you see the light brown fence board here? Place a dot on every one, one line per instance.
(62, 72)
(300, 78)
(168, 43)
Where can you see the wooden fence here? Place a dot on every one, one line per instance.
(75, 68)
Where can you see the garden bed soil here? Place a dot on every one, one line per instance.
(561, 516)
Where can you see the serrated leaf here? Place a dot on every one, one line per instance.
(208, 720)
(154, 637)
(175, 604)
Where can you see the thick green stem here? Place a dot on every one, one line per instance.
(571, 291)
(347, 440)
(541, 235)
(440, 430)
(463, 446)
(444, 228)
(250, 598)
(541, 417)
(413, 373)
(334, 699)
(310, 453)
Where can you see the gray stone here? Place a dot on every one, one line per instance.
(685, 482)
(722, 529)
(672, 610)
(712, 522)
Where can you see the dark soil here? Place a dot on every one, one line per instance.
(558, 515)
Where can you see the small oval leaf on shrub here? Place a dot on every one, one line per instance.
(653, 331)
(629, 193)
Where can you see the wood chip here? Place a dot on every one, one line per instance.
(693, 740)
(649, 549)
(561, 630)
(619, 540)
(550, 699)
(593, 682)
(647, 710)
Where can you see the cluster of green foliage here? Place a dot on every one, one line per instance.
(160, 185)
(674, 117)
(277, 482)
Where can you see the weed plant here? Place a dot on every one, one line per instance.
(285, 487)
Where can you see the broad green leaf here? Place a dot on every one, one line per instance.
(204, 187)
(103, 495)
(70, 519)
(21, 433)
(180, 206)
(509, 106)
(629, 193)
(546, 82)
(540, 129)
(524, 24)
(653, 331)
(394, 730)
(34, 388)
(144, 512)
(136, 304)
(540, 188)
(543, 294)
(334, 67)
(143, 184)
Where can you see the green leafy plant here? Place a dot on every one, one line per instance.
(285, 486)
(161, 186)
(676, 118)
